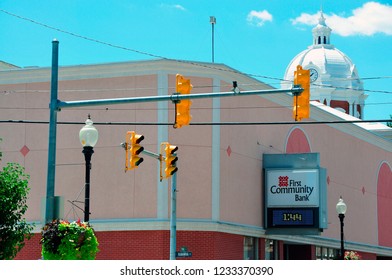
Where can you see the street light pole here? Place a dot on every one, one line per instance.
(341, 208)
(88, 136)
(88, 152)
(341, 218)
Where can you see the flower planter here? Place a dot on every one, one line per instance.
(351, 255)
(63, 240)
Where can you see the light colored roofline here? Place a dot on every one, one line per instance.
(7, 66)
(119, 69)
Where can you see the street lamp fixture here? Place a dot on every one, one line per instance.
(341, 209)
(88, 136)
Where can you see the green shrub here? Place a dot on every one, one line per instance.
(62, 240)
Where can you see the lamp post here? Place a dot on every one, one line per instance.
(341, 208)
(88, 136)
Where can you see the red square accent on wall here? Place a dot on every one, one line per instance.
(228, 151)
(25, 150)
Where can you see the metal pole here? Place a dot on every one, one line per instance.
(296, 107)
(213, 59)
(87, 151)
(151, 154)
(213, 45)
(341, 218)
(173, 97)
(50, 183)
(173, 217)
(213, 22)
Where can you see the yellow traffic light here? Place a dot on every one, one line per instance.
(133, 149)
(301, 107)
(183, 107)
(170, 158)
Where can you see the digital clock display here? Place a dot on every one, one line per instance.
(292, 217)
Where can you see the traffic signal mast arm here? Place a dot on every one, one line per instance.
(174, 97)
(300, 91)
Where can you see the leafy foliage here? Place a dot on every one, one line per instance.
(62, 240)
(351, 255)
(14, 229)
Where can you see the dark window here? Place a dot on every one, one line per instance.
(250, 248)
(323, 253)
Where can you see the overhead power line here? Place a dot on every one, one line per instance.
(159, 56)
(201, 123)
(107, 109)
(80, 36)
(17, 91)
(177, 60)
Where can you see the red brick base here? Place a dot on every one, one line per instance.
(154, 245)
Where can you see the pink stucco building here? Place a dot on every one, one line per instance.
(220, 181)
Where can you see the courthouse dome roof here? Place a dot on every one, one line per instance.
(334, 68)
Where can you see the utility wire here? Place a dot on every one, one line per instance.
(162, 57)
(201, 123)
(107, 109)
(180, 61)
(13, 91)
(110, 44)
(159, 56)
(80, 36)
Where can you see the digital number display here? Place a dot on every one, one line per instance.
(292, 217)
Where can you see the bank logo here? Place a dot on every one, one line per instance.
(283, 181)
(287, 186)
(297, 187)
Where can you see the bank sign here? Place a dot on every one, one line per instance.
(292, 188)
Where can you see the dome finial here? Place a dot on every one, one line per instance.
(321, 32)
(321, 7)
(322, 19)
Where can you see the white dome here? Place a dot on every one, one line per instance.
(335, 69)
(334, 77)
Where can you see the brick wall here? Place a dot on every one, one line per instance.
(139, 245)
(208, 245)
(154, 245)
(32, 249)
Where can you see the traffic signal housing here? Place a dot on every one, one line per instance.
(133, 149)
(170, 159)
(301, 105)
(183, 107)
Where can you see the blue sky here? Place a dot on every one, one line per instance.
(255, 37)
